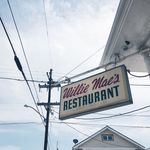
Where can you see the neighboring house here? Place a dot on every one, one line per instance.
(108, 139)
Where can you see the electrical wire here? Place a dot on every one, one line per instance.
(131, 115)
(7, 36)
(38, 81)
(18, 123)
(68, 124)
(143, 76)
(95, 139)
(28, 67)
(140, 84)
(24, 55)
(18, 64)
(81, 63)
(45, 18)
(16, 79)
(97, 124)
(116, 115)
(47, 33)
(104, 114)
(72, 123)
(100, 67)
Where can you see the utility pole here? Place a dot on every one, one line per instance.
(51, 84)
(48, 109)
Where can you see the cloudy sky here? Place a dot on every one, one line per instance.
(68, 36)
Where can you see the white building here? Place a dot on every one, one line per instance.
(108, 139)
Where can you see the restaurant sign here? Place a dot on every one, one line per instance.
(99, 92)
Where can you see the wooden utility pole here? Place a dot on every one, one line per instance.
(47, 105)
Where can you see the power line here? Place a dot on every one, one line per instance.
(95, 139)
(132, 115)
(38, 81)
(24, 54)
(7, 36)
(47, 33)
(18, 64)
(94, 124)
(140, 85)
(26, 62)
(27, 65)
(101, 67)
(16, 79)
(116, 115)
(18, 123)
(81, 63)
(137, 76)
(45, 18)
(68, 124)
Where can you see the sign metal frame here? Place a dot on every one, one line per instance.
(115, 83)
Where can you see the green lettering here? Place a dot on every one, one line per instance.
(80, 98)
(110, 92)
(97, 98)
(90, 98)
(116, 90)
(74, 103)
(103, 95)
(70, 104)
(84, 100)
(65, 105)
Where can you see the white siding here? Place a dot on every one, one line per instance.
(104, 148)
(118, 142)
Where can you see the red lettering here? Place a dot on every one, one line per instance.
(73, 91)
(110, 81)
(102, 81)
(97, 83)
(105, 82)
(116, 78)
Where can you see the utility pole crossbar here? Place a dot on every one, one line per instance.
(51, 104)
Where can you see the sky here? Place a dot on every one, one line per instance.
(68, 36)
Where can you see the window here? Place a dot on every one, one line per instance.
(107, 137)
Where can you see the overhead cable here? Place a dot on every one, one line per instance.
(95, 139)
(80, 65)
(38, 81)
(137, 76)
(18, 123)
(97, 124)
(116, 115)
(18, 64)
(7, 36)
(101, 66)
(67, 123)
(16, 79)
(23, 51)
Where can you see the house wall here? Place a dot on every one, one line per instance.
(118, 141)
(104, 148)
(96, 143)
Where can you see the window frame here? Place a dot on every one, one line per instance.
(106, 137)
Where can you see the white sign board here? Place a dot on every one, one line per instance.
(99, 92)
